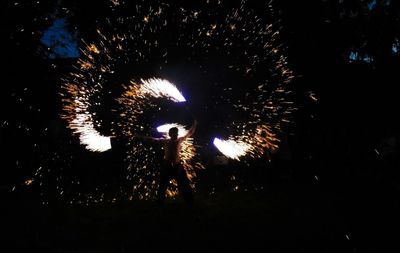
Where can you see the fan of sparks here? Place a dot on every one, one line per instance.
(246, 34)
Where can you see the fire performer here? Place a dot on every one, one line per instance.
(172, 164)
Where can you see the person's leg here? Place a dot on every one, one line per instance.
(184, 186)
(163, 185)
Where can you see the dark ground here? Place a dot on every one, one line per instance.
(288, 214)
(282, 218)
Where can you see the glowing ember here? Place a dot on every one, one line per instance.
(28, 182)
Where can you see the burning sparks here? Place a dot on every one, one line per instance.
(239, 34)
(231, 148)
(188, 153)
(80, 121)
(28, 182)
(115, 2)
(92, 140)
(253, 144)
(136, 99)
(82, 124)
(156, 87)
(165, 128)
(188, 150)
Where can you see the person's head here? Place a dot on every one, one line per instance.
(173, 132)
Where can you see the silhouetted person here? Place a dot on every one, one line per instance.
(172, 165)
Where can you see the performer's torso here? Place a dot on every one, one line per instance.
(172, 150)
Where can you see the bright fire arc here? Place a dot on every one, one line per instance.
(232, 149)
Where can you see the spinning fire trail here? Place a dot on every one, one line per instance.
(152, 34)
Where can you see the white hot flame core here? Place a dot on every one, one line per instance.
(231, 148)
(162, 88)
(88, 136)
(165, 128)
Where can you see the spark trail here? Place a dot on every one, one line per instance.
(245, 34)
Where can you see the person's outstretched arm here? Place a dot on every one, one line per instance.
(148, 138)
(191, 130)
